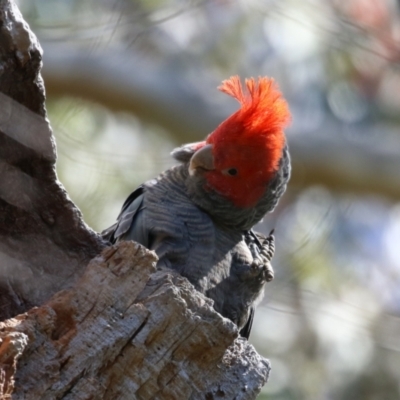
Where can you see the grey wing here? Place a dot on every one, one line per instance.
(130, 223)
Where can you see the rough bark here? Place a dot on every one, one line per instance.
(127, 331)
(44, 243)
(118, 329)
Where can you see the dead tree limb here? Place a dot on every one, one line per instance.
(118, 329)
(126, 331)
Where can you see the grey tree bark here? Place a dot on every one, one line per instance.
(115, 329)
(44, 243)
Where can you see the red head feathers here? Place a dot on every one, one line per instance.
(248, 145)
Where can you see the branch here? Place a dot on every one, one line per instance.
(162, 94)
(122, 82)
(127, 331)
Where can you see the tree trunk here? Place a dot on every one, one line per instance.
(116, 329)
(44, 243)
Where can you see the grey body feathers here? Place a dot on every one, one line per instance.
(200, 235)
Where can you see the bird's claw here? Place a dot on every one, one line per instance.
(264, 270)
(262, 255)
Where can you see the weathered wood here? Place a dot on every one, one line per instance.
(127, 331)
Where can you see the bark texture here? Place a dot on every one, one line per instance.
(44, 243)
(127, 331)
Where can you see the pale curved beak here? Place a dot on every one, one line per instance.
(203, 159)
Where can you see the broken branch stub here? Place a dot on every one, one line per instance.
(126, 331)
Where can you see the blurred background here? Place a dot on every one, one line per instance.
(129, 80)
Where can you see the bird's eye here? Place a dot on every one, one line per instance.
(232, 171)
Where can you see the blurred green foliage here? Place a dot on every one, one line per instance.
(102, 156)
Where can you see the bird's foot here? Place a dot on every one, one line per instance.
(262, 252)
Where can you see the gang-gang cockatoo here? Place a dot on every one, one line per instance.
(198, 215)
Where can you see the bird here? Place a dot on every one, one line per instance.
(198, 216)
